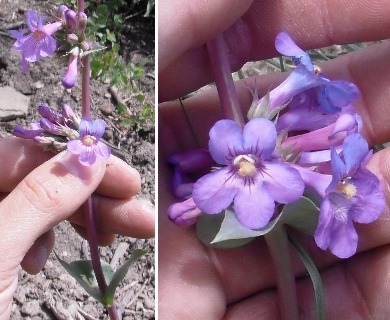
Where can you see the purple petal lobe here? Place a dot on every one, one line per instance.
(355, 149)
(284, 183)
(225, 140)
(98, 128)
(371, 201)
(260, 137)
(215, 191)
(102, 151)
(87, 158)
(254, 207)
(85, 126)
(287, 47)
(75, 146)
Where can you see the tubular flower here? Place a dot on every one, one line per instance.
(251, 176)
(354, 194)
(88, 146)
(39, 43)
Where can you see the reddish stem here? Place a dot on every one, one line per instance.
(86, 91)
(220, 64)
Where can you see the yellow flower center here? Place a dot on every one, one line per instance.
(348, 189)
(246, 165)
(89, 140)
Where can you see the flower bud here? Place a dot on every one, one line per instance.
(62, 9)
(70, 17)
(70, 118)
(192, 160)
(81, 21)
(184, 213)
(72, 38)
(27, 134)
(46, 112)
(70, 78)
(85, 45)
(50, 127)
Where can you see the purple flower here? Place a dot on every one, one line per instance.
(88, 146)
(354, 194)
(331, 95)
(70, 78)
(39, 43)
(251, 176)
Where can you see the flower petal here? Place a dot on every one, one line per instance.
(284, 183)
(344, 239)
(326, 219)
(86, 126)
(75, 146)
(338, 170)
(225, 141)
(98, 128)
(215, 191)
(260, 137)
(355, 149)
(254, 206)
(87, 158)
(371, 200)
(287, 47)
(101, 150)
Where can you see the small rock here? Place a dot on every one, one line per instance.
(148, 303)
(106, 109)
(31, 308)
(107, 95)
(39, 85)
(13, 104)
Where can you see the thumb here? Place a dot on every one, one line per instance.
(48, 195)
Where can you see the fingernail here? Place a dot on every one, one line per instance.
(40, 257)
(73, 166)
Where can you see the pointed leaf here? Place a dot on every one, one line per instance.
(119, 275)
(82, 271)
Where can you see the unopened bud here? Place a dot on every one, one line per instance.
(72, 38)
(62, 9)
(70, 78)
(46, 112)
(82, 21)
(86, 46)
(184, 213)
(71, 22)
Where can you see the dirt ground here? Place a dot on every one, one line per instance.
(53, 294)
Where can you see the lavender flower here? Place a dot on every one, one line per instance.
(331, 96)
(70, 78)
(251, 177)
(355, 194)
(39, 43)
(88, 146)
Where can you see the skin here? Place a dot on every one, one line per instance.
(37, 192)
(196, 282)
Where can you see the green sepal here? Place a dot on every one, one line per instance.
(119, 275)
(223, 230)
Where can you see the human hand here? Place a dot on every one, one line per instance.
(202, 283)
(36, 195)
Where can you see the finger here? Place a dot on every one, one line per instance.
(252, 37)
(20, 157)
(131, 217)
(36, 257)
(351, 292)
(104, 239)
(48, 195)
(191, 17)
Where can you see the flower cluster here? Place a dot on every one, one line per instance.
(304, 134)
(58, 131)
(40, 42)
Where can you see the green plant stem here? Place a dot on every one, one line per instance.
(278, 245)
(220, 64)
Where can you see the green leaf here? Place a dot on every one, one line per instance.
(315, 278)
(225, 231)
(82, 271)
(121, 107)
(119, 275)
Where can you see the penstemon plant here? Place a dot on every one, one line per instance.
(298, 162)
(65, 130)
